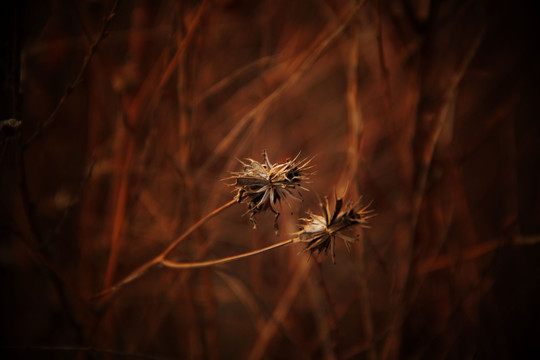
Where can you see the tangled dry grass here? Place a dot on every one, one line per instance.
(120, 120)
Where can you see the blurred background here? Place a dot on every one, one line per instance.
(119, 132)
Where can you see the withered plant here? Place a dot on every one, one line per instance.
(119, 237)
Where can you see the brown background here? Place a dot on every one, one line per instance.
(428, 109)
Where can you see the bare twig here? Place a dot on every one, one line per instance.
(119, 206)
(429, 148)
(226, 81)
(382, 57)
(141, 270)
(71, 87)
(425, 157)
(194, 265)
(280, 312)
(150, 91)
(262, 106)
(367, 315)
(331, 316)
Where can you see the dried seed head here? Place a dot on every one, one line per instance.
(319, 232)
(261, 186)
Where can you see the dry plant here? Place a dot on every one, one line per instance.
(121, 127)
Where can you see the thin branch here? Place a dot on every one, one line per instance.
(331, 319)
(280, 312)
(440, 262)
(152, 91)
(194, 265)
(291, 80)
(141, 270)
(235, 75)
(354, 114)
(71, 87)
(367, 313)
(382, 57)
(429, 148)
(121, 186)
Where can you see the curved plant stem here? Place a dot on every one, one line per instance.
(194, 265)
(141, 270)
(196, 226)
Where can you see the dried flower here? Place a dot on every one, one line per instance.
(262, 185)
(319, 232)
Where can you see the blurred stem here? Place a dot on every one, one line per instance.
(121, 186)
(194, 265)
(141, 270)
(367, 315)
(78, 78)
(331, 318)
(427, 152)
(186, 76)
(382, 57)
(354, 114)
(300, 70)
(269, 330)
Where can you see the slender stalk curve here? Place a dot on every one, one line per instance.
(194, 265)
(195, 227)
(141, 270)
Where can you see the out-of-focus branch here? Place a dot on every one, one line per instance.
(71, 87)
(296, 75)
(428, 149)
(471, 253)
(280, 312)
(382, 56)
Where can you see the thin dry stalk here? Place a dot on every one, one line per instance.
(141, 270)
(184, 93)
(226, 81)
(71, 87)
(294, 77)
(119, 212)
(354, 114)
(440, 262)
(322, 322)
(429, 148)
(195, 265)
(331, 318)
(185, 82)
(443, 237)
(30, 211)
(367, 315)
(247, 296)
(148, 96)
(280, 312)
(125, 154)
(393, 343)
(196, 343)
(385, 73)
(182, 47)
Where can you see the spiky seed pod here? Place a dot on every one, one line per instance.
(261, 186)
(319, 232)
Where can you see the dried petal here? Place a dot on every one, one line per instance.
(262, 185)
(319, 232)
